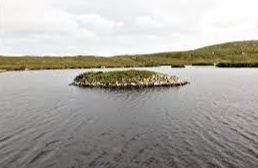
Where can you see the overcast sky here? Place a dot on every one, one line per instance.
(108, 27)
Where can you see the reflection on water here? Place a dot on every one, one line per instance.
(213, 122)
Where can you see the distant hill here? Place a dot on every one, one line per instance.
(240, 48)
(233, 47)
(239, 54)
(240, 51)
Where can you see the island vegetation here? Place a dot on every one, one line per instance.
(127, 79)
(233, 54)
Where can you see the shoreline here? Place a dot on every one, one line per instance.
(130, 86)
(230, 66)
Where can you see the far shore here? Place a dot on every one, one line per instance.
(219, 65)
(242, 54)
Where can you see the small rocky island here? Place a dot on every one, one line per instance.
(126, 79)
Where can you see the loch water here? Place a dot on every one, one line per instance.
(210, 123)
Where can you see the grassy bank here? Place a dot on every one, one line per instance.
(203, 64)
(177, 66)
(237, 65)
(244, 53)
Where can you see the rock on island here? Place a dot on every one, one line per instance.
(127, 79)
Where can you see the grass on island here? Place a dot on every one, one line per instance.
(113, 77)
(239, 54)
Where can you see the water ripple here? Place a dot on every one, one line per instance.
(53, 125)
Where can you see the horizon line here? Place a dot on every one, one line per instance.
(117, 55)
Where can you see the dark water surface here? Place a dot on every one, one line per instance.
(213, 122)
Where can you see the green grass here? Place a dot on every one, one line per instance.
(243, 53)
(112, 77)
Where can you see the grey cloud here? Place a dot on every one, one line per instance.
(107, 27)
